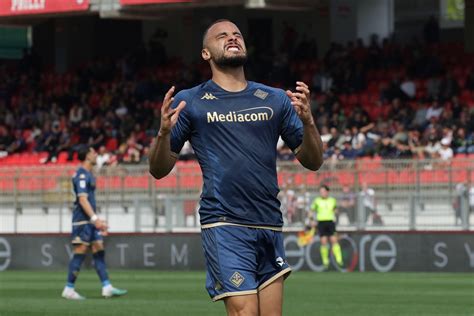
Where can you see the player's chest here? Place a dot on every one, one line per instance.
(235, 113)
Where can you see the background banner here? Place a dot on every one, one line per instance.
(364, 251)
(26, 7)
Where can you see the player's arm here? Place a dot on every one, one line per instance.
(87, 207)
(310, 153)
(161, 158)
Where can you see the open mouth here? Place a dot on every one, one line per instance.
(233, 48)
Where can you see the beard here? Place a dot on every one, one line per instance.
(231, 62)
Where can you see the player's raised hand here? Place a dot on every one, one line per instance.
(169, 116)
(301, 102)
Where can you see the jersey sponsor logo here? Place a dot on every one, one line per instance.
(237, 279)
(208, 96)
(260, 94)
(262, 113)
(82, 184)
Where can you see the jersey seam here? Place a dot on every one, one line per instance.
(206, 150)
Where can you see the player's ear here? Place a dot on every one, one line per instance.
(206, 55)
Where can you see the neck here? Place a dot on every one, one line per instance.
(229, 79)
(87, 165)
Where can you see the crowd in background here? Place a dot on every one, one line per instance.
(382, 99)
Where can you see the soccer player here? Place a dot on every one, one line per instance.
(325, 208)
(87, 229)
(234, 125)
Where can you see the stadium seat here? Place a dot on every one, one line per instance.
(112, 144)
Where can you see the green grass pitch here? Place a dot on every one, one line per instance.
(183, 293)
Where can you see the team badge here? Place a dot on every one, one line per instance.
(260, 94)
(280, 261)
(237, 279)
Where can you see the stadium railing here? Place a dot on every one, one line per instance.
(409, 195)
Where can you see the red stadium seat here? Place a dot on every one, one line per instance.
(112, 144)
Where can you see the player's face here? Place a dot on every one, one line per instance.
(92, 156)
(224, 45)
(323, 192)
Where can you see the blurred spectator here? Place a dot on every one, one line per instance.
(433, 87)
(322, 81)
(386, 149)
(415, 144)
(434, 111)
(370, 206)
(104, 158)
(408, 87)
(75, 115)
(463, 144)
(130, 152)
(358, 141)
(51, 144)
(84, 135)
(333, 140)
(420, 116)
(289, 205)
(445, 152)
(348, 152)
(432, 147)
(460, 192)
(347, 205)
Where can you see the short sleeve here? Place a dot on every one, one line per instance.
(291, 128)
(81, 184)
(181, 132)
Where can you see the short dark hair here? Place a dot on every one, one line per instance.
(324, 186)
(210, 25)
(82, 152)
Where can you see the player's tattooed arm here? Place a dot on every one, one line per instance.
(310, 153)
(161, 159)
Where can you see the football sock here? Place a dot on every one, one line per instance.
(74, 268)
(99, 264)
(325, 255)
(336, 251)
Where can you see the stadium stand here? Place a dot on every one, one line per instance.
(382, 100)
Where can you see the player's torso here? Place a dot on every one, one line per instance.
(83, 182)
(234, 136)
(236, 125)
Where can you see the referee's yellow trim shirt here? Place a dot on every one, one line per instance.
(324, 208)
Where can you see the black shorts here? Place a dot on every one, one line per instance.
(326, 228)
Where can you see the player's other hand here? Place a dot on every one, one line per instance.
(101, 225)
(300, 99)
(169, 116)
